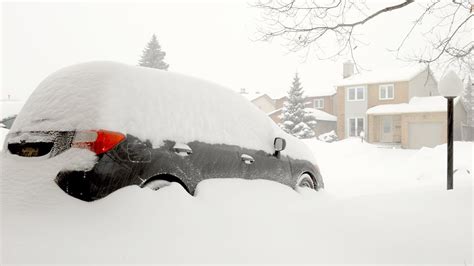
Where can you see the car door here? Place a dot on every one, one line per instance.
(216, 160)
(258, 164)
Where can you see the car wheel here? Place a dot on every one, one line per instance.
(157, 184)
(305, 180)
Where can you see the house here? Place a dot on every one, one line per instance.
(323, 101)
(321, 107)
(398, 107)
(420, 123)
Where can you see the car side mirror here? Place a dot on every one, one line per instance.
(279, 144)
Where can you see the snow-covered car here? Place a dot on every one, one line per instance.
(149, 128)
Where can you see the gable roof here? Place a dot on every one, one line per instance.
(252, 95)
(320, 93)
(382, 76)
(320, 115)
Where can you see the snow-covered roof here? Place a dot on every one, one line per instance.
(382, 76)
(319, 93)
(275, 111)
(416, 105)
(10, 108)
(252, 95)
(320, 115)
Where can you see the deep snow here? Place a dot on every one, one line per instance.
(379, 206)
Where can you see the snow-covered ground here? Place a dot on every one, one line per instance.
(380, 206)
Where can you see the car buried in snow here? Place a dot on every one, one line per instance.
(149, 128)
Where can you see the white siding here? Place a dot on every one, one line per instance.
(422, 85)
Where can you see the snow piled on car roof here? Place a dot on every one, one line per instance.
(150, 104)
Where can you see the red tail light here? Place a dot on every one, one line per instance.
(98, 141)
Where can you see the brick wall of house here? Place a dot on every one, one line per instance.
(328, 107)
(375, 127)
(279, 102)
(340, 98)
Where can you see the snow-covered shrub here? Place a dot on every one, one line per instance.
(328, 137)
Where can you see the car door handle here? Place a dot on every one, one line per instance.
(182, 149)
(247, 159)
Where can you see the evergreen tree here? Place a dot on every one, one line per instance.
(295, 120)
(152, 55)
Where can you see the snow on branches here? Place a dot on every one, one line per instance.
(295, 120)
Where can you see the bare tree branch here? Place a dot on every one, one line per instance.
(327, 27)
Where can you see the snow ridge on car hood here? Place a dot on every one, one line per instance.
(150, 104)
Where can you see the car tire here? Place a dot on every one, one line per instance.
(305, 180)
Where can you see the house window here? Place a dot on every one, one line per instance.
(386, 92)
(355, 94)
(356, 125)
(319, 103)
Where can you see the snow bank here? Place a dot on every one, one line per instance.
(330, 136)
(252, 221)
(3, 134)
(242, 221)
(150, 104)
(28, 180)
(350, 167)
(416, 105)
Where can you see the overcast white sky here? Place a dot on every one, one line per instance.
(207, 39)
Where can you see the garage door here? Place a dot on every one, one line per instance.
(425, 135)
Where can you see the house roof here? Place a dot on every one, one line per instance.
(275, 111)
(416, 105)
(382, 76)
(320, 115)
(252, 95)
(320, 93)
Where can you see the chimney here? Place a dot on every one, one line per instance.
(347, 69)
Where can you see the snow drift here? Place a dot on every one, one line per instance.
(362, 217)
